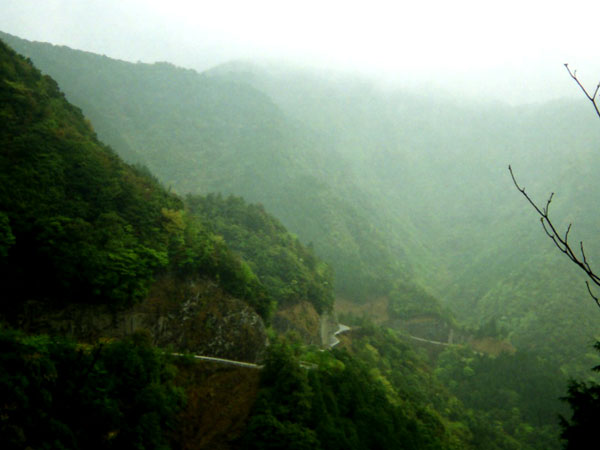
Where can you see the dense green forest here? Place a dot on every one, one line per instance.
(378, 392)
(78, 226)
(392, 188)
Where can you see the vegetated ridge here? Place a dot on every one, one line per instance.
(126, 241)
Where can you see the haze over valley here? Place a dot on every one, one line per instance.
(251, 199)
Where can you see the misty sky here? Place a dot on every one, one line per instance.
(511, 49)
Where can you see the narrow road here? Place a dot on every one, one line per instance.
(335, 341)
(222, 361)
(427, 340)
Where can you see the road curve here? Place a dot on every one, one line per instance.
(341, 329)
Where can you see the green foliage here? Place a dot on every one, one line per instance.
(491, 328)
(340, 407)
(203, 133)
(411, 382)
(388, 186)
(56, 394)
(379, 394)
(376, 183)
(283, 405)
(7, 239)
(520, 392)
(289, 271)
(197, 250)
(74, 216)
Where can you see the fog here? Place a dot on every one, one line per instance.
(512, 50)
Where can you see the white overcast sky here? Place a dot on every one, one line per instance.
(511, 48)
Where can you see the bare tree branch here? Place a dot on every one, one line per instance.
(592, 98)
(587, 283)
(562, 243)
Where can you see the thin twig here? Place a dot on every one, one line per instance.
(592, 294)
(591, 98)
(561, 243)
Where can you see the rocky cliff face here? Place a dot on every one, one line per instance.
(192, 315)
(302, 319)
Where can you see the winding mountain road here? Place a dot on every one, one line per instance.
(341, 329)
(334, 341)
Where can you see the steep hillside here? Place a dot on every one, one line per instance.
(97, 250)
(291, 273)
(91, 229)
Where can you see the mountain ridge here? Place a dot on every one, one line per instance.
(116, 221)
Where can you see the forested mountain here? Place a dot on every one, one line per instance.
(82, 229)
(99, 230)
(408, 199)
(79, 226)
(391, 188)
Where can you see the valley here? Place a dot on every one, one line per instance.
(246, 212)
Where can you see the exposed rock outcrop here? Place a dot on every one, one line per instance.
(193, 316)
